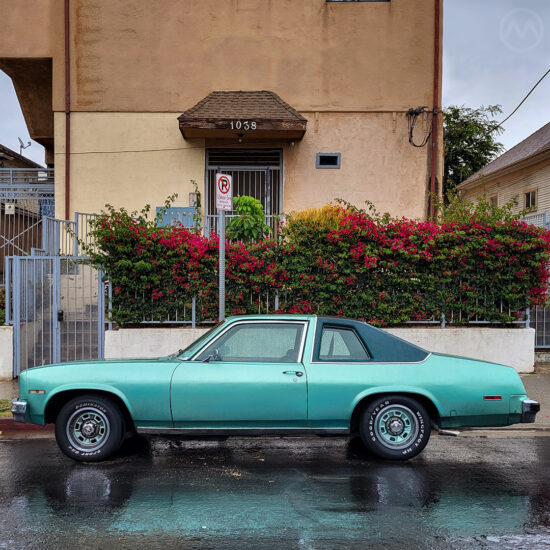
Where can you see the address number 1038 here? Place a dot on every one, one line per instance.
(243, 125)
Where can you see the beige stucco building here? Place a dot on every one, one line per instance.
(522, 175)
(329, 84)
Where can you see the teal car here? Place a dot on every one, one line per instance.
(275, 374)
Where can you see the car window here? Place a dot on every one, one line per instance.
(257, 342)
(341, 344)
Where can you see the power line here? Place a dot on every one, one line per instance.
(129, 151)
(522, 101)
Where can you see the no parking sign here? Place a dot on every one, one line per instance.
(224, 192)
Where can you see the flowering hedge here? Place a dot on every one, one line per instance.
(382, 270)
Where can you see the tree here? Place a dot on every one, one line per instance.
(469, 136)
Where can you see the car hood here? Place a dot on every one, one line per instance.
(100, 363)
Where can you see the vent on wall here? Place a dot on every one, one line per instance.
(328, 160)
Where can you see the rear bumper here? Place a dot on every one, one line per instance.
(529, 410)
(19, 410)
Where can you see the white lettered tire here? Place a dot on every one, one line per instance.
(395, 427)
(89, 428)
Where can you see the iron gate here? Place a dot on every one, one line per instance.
(56, 305)
(256, 173)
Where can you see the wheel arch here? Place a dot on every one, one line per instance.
(59, 399)
(427, 401)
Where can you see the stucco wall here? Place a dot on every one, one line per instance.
(137, 55)
(377, 164)
(104, 168)
(6, 352)
(130, 159)
(513, 347)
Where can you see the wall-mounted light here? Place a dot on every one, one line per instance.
(240, 136)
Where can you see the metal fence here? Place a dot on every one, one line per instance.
(26, 198)
(17, 176)
(540, 316)
(57, 308)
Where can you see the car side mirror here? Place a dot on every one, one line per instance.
(212, 357)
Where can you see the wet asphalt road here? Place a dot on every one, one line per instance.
(466, 492)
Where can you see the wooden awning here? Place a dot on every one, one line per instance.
(243, 115)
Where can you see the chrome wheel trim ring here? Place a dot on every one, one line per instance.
(88, 429)
(396, 427)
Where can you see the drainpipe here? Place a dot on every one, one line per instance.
(435, 117)
(67, 111)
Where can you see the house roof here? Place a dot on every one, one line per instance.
(223, 114)
(7, 153)
(535, 144)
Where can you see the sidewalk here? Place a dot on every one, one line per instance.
(536, 385)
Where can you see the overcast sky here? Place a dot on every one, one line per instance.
(493, 53)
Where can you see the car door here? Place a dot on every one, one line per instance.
(249, 376)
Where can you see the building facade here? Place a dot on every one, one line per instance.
(303, 101)
(521, 174)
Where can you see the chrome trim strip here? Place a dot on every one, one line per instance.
(255, 321)
(243, 431)
(373, 362)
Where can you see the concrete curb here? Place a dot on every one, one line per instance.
(8, 425)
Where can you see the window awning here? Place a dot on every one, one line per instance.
(243, 115)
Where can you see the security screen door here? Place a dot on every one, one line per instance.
(256, 173)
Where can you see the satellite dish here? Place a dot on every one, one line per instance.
(22, 146)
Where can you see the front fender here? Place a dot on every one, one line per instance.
(105, 388)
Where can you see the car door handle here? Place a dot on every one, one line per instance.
(295, 372)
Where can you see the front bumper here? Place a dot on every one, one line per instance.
(19, 410)
(529, 410)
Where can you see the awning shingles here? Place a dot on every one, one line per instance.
(251, 115)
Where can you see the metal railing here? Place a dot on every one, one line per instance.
(26, 198)
(27, 176)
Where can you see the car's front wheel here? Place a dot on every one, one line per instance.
(89, 428)
(395, 427)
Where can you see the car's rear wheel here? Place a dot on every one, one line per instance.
(89, 428)
(395, 427)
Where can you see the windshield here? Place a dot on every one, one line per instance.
(196, 342)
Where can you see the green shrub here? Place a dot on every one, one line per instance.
(350, 262)
(249, 223)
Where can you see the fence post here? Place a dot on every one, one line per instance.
(100, 314)
(16, 300)
(528, 317)
(194, 312)
(110, 306)
(56, 299)
(7, 288)
(443, 320)
(75, 237)
(44, 235)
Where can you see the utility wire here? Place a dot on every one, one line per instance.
(129, 151)
(522, 101)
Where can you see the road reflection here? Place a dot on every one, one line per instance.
(310, 495)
